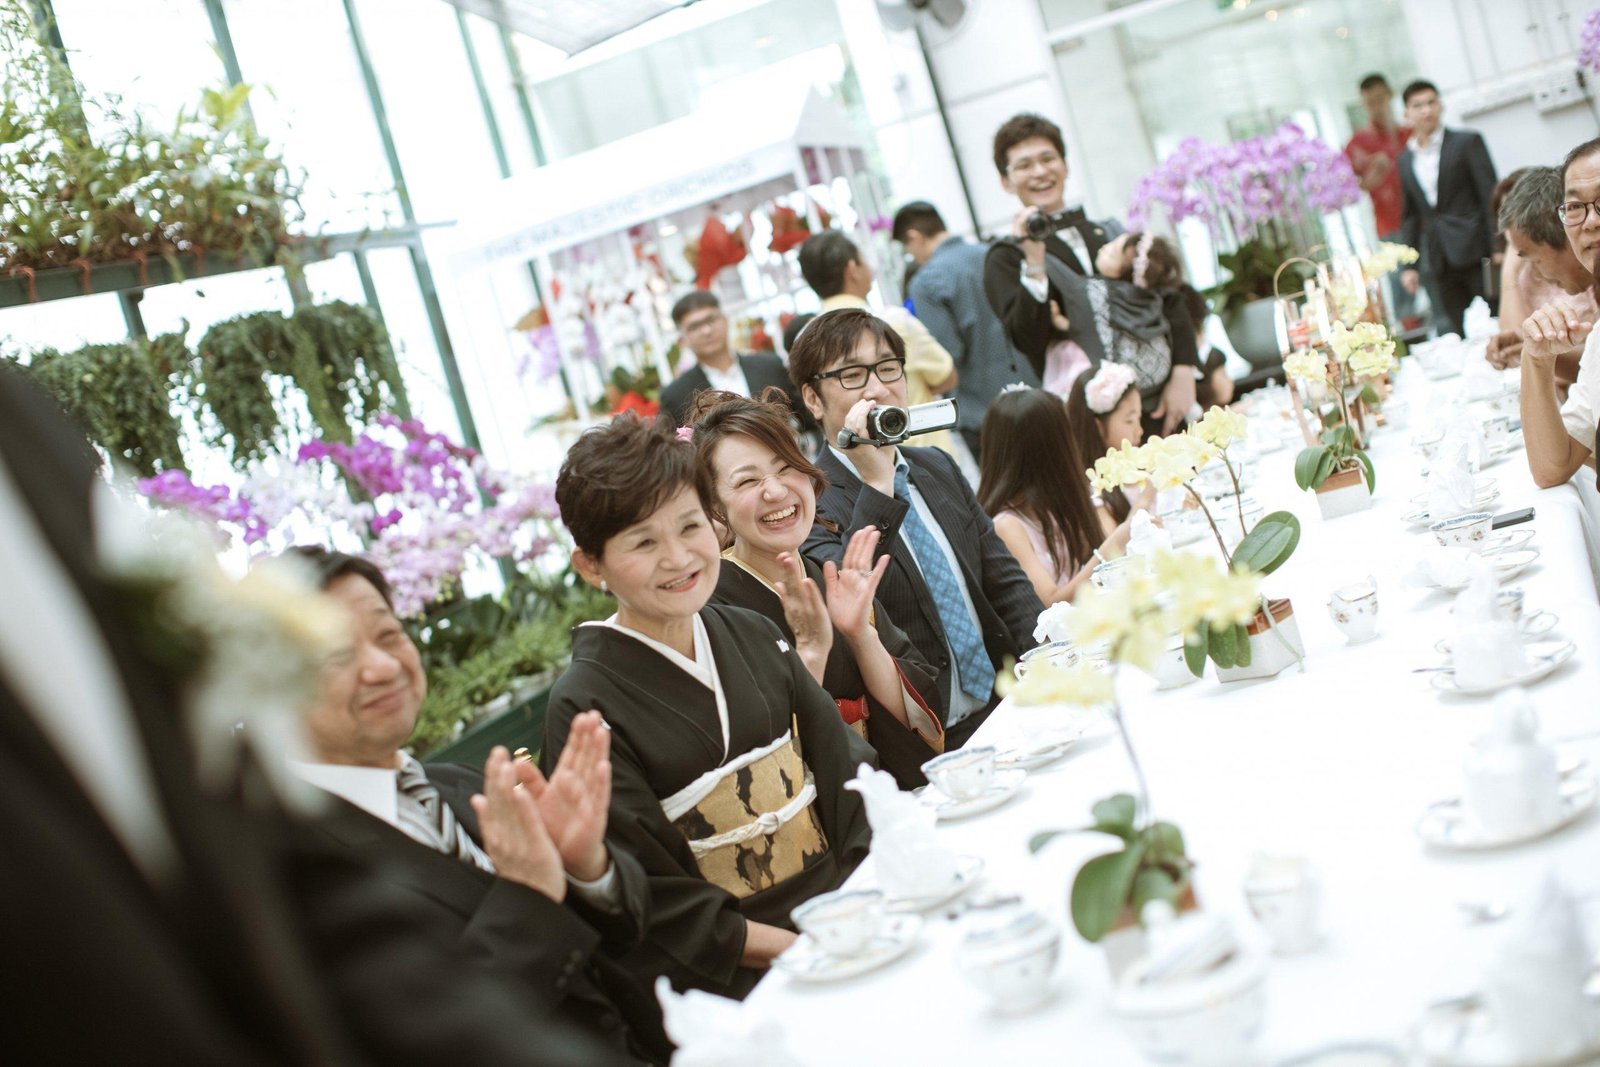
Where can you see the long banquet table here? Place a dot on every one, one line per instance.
(1334, 763)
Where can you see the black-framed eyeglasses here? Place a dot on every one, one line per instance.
(855, 375)
(1576, 212)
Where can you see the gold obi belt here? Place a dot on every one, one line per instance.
(750, 823)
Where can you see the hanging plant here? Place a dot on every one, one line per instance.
(122, 396)
(338, 355)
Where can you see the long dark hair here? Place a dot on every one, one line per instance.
(1090, 438)
(1031, 464)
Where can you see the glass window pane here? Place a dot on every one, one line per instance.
(313, 104)
(157, 59)
(412, 336)
(63, 324)
(501, 86)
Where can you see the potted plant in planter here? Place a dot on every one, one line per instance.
(1182, 594)
(1258, 197)
(1338, 468)
(1268, 642)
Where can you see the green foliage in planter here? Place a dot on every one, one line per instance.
(1251, 268)
(1151, 865)
(122, 396)
(1337, 452)
(1267, 546)
(473, 649)
(338, 354)
(208, 184)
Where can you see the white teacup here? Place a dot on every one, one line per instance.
(963, 774)
(1508, 605)
(1172, 668)
(1285, 896)
(1463, 531)
(1354, 610)
(1511, 789)
(1113, 573)
(843, 922)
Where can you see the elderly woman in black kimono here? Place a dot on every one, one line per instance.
(764, 494)
(729, 760)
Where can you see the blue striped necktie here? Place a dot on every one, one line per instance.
(966, 644)
(431, 821)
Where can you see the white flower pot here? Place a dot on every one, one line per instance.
(1344, 493)
(1272, 648)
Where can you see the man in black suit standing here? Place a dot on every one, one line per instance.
(515, 866)
(152, 917)
(704, 329)
(951, 584)
(1447, 207)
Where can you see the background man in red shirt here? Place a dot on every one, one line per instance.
(1372, 152)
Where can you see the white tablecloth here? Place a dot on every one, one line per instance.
(1335, 764)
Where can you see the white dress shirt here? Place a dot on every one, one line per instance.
(962, 703)
(1425, 165)
(1582, 408)
(56, 661)
(731, 380)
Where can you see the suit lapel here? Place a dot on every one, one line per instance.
(456, 885)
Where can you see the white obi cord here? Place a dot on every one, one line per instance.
(765, 825)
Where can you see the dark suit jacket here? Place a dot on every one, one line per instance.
(553, 952)
(1457, 231)
(760, 370)
(263, 945)
(1026, 320)
(1007, 607)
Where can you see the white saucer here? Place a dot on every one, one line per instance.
(1536, 624)
(1545, 656)
(1030, 757)
(805, 960)
(1506, 540)
(1512, 562)
(1003, 788)
(968, 868)
(1444, 825)
(1419, 516)
(1482, 486)
(1462, 1033)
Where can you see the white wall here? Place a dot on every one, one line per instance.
(1479, 51)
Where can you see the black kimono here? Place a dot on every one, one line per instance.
(901, 751)
(666, 736)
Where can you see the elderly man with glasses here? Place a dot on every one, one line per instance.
(1560, 436)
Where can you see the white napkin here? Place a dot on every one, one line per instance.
(1052, 624)
(905, 848)
(1534, 985)
(713, 1031)
(1146, 536)
(1487, 648)
(1512, 785)
(1478, 320)
(1450, 488)
(1440, 568)
(1463, 428)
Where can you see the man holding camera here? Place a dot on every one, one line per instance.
(951, 584)
(1032, 159)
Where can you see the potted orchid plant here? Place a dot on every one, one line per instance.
(1338, 468)
(1268, 642)
(1183, 594)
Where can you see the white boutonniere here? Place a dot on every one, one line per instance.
(783, 646)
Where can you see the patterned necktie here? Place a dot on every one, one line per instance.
(432, 822)
(966, 645)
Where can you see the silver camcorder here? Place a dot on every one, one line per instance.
(891, 425)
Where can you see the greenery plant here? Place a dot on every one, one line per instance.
(338, 354)
(83, 183)
(1151, 865)
(122, 396)
(1267, 546)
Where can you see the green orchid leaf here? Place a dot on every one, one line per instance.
(1043, 838)
(1269, 545)
(1115, 815)
(1164, 842)
(1153, 883)
(1305, 466)
(1326, 467)
(1194, 651)
(1222, 647)
(1372, 474)
(1102, 888)
(1242, 654)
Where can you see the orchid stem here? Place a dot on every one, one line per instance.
(1238, 494)
(1226, 558)
(1141, 817)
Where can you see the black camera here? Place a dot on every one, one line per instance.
(1040, 225)
(891, 425)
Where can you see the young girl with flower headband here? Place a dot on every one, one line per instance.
(1103, 411)
(1043, 511)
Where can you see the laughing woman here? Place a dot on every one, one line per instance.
(765, 494)
(729, 760)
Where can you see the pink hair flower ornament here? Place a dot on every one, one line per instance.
(685, 433)
(1107, 387)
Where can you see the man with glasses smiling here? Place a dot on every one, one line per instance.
(703, 329)
(951, 585)
(1561, 436)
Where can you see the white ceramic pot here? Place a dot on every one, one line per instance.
(1211, 1019)
(1272, 649)
(1344, 493)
